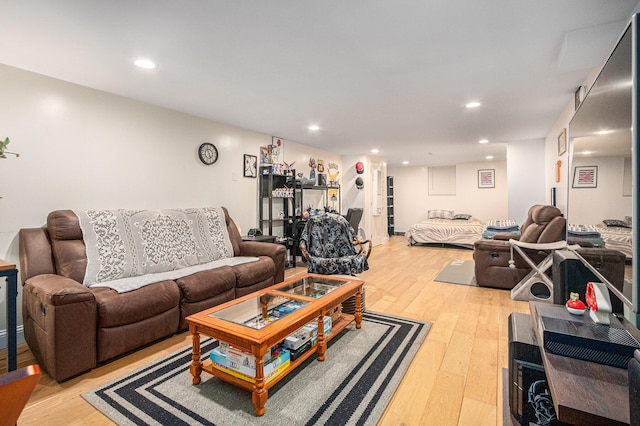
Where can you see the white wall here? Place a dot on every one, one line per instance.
(412, 201)
(526, 171)
(551, 150)
(85, 149)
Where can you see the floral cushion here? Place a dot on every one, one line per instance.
(329, 241)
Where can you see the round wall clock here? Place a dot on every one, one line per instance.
(208, 153)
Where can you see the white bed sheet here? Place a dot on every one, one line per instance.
(446, 231)
(616, 238)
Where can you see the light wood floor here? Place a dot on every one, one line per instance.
(455, 378)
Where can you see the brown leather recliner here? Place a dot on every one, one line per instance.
(544, 224)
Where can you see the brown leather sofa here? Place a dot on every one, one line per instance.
(544, 224)
(71, 328)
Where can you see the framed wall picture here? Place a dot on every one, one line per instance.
(250, 166)
(585, 177)
(562, 142)
(486, 178)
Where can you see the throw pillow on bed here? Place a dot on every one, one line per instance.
(616, 223)
(462, 216)
(440, 214)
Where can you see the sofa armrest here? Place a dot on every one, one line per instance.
(277, 252)
(492, 245)
(506, 236)
(59, 317)
(56, 290)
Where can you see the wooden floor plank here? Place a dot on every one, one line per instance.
(466, 345)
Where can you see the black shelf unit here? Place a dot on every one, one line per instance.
(323, 189)
(390, 211)
(272, 197)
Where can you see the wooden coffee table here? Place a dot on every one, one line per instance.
(253, 324)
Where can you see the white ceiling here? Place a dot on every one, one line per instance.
(393, 75)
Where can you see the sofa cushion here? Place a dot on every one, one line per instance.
(248, 274)
(66, 244)
(206, 284)
(116, 309)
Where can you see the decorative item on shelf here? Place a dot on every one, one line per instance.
(360, 167)
(3, 149)
(264, 155)
(359, 183)
(333, 174)
(250, 166)
(562, 142)
(574, 305)
(282, 192)
(275, 150)
(599, 302)
(322, 179)
(312, 173)
(288, 168)
(320, 166)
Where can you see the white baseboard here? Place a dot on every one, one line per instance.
(19, 335)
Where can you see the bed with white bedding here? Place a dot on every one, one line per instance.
(443, 227)
(616, 238)
(610, 234)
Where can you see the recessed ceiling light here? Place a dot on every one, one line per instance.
(483, 141)
(586, 153)
(489, 157)
(473, 105)
(405, 162)
(145, 64)
(375, 151)
(314, 127)
(603, 132)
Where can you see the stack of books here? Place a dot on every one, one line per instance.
(242, 364)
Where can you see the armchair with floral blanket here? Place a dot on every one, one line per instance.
(331, 247)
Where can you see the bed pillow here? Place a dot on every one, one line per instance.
(461, 216)
(616, 223)
(440, 214)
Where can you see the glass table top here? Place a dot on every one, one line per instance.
(265, 308)
(315, 287)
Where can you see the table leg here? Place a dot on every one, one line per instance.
(196, 364)
(12, 343)
(358, 313)
(259, 395)
(322, 342)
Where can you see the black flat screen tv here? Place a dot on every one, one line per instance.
(604, 155)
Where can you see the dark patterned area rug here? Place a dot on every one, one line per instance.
(352, 386)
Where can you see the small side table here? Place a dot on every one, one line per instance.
(9, 271)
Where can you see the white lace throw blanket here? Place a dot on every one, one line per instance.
(128, 249)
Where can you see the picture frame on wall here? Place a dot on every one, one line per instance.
(562, 142)
(486, 178)
(250, 166)
(585, 177)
